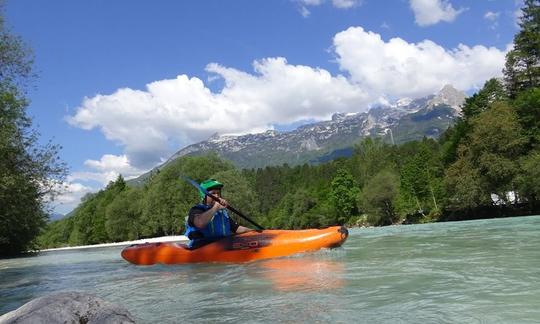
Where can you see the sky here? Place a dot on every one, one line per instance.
(122, 85)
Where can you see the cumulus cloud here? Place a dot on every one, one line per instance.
(176, 112)
(430, 12)
(397, 68)
(107, 169)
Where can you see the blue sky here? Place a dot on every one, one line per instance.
(124, 84)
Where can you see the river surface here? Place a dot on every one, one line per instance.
(484, 271)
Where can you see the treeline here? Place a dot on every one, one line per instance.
(489, 158)
(338, 192)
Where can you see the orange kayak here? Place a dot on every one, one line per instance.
(239, 248)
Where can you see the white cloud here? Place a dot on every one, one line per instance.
(400, 69)
(69, 196)
(72, 193)
(491, 16)
(430, 12)
(101, 172)
(345, 4)
(305, 12)
(107, 169)
(169, 114)
(108, 162)
(177, 112)
(341, 4)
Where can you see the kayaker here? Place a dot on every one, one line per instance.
(209, 221)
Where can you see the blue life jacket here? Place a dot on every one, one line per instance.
(218, 227)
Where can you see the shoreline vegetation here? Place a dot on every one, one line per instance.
(485, 165)
(183, 238)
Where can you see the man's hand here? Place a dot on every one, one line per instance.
(221, 204)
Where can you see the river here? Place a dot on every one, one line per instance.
(485, 271)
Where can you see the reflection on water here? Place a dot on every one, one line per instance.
(308, 274)
(477, 271)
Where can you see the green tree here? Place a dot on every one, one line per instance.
(56, 234)
(527, 105)
(30, 174)
(522, 68)
(379, 197)
(421, 179)
(371, 156)
(297, 210)
(465, 185)
(487, 162)
(492, 91)
(123, 215)
(529, 179)
(344, 195)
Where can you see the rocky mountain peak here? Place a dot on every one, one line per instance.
(214, 137)
(450, 96)
(338, 116)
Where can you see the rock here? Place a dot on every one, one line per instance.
(68, 307)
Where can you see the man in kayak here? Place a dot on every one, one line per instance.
(209, 221)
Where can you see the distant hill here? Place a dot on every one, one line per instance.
(56, 216)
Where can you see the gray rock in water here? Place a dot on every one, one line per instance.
(68, 307)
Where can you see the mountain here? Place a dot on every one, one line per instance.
(406, 120)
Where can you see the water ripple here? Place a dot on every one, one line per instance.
(484, 271)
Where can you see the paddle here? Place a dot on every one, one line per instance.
(234, 210)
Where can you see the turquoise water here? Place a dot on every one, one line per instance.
(484, 271)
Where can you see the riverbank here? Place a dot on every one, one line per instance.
(174, 238)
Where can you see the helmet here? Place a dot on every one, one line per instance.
(209, 185)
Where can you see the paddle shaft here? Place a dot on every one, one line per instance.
(234, 210)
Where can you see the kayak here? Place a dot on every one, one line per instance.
(250, 246)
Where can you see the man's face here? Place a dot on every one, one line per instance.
(214, 192)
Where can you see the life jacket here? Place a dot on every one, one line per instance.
(218, 227)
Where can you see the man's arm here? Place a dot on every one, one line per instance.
(236, 228)
(200, 220)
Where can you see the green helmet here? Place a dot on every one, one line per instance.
(209, 185)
